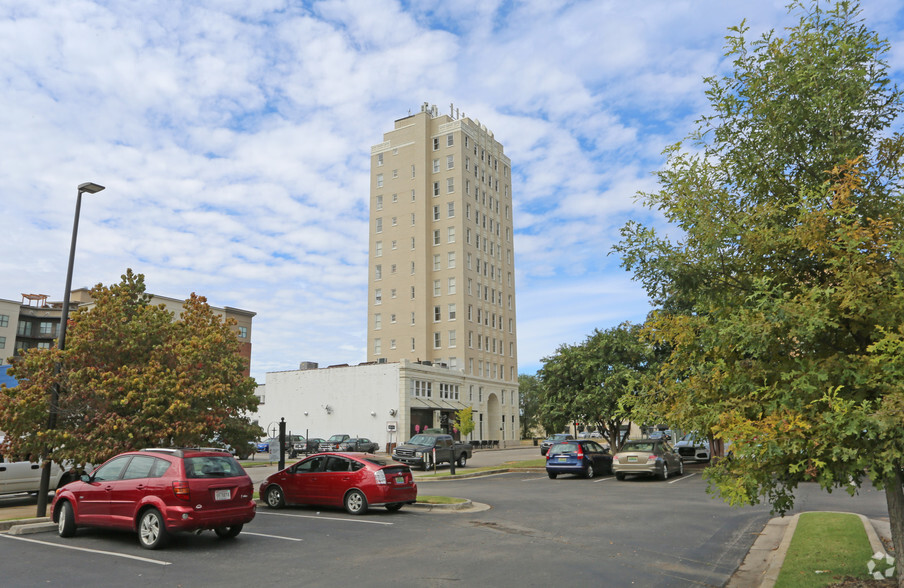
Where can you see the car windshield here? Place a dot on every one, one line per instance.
(380, 462)
(559, 437)
(212, 466)
(563, 448)
(421, 440)
(336, 438)
(642, 446)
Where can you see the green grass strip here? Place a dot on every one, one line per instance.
(826, 547)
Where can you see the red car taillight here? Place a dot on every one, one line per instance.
(580, 452)
(180, 489)
(652, 458)
(380, 477)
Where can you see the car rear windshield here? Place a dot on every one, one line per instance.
(638, 447)
(212, 466)
(563, 448)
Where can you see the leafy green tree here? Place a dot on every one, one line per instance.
(782, 302)
(595, 382)
(530, 397)
(464, 421)
(130, 377)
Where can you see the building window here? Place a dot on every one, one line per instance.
(43, 344)
(378, 296)
(4, 320)
(379, 180)
(412, 219)
(24, 328)
(392, 343)
(421, 389)
(392, 269)
(451, 285)
(377, 346)
(450, 140)
(412, 175)
(412, 318)
(395, 221)
(380, 224)
(412, 342)
(379, 202)
(378, 249)
(45, 328)
(392, 293)
(394, 245)
(436, 188)
(412, 292)
(412, 268)
(412, 243)
(435, 143)
(436, 237)
(451, 312)
(437, 340)
(437, 314)
(2, 342)
(378, 321)
(450, 210)
(471, 339)
(437, 290)
(451, 233)
(451, 338)
(450, 185)
(395, 173)
(243, 332)
(435, 166)
(436, 262)
(392, 318)
(436, 213)
(379, 159)
(378, 271)
(450, 162)
(451, 259)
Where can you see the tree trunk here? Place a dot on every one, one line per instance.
(894, 497)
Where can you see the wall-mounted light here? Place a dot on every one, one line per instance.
(305, 413)
(373, 413)
(392, 412)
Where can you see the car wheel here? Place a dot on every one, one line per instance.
(619, 475)
(151, 530)
(462, 460)
(394, 507)
(552, 475)
(680, 467)
(228, 532)
(275, 498)
(588, 473)
(665, 472)
(355, 502)
(66, 526)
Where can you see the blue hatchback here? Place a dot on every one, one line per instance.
(584, 457)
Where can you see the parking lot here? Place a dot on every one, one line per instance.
(536, 532)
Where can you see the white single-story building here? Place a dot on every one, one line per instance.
(387, 402)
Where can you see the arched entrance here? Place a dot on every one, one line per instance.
(494, 418)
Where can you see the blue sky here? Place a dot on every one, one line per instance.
(233, 138)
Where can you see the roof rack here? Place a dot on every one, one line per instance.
(180, 451)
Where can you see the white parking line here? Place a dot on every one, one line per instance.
(683, 477)
(272, 536)
(98, 551)
(283, 514)
(603, 480)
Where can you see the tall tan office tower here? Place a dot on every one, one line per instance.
(442, 261)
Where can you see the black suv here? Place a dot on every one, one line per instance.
(556, 438)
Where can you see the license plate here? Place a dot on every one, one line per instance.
(632, 459)
(400, 480)
(562, 459)
(223, 494)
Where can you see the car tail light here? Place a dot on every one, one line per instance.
(580, 452)
(380, 476)
(181, 490)
(652, 458)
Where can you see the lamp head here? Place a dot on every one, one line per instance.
(90, 188)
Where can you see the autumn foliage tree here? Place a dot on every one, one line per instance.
(782, 299)
(132, 376)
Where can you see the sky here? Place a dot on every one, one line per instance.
(233, 139)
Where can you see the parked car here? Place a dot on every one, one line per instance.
(264, 446)
(353, 481)
(693, 447)
(556, 438)
(584, 457)
(359, 444)
(332, 444)
(649, 457)
(306, 446)
(157, 492)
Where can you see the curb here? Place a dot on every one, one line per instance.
(32, 528)
(12, 524)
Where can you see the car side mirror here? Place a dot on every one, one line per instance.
(85, 478)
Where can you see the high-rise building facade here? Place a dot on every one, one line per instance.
(442, 261)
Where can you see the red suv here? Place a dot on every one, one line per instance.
(157, 492)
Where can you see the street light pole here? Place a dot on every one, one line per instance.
(44, 488)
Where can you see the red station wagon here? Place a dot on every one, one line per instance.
(354, 481)
(157, 492)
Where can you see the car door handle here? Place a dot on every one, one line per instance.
(108, 488)
(2, 469)
(139, 487)
(34, 466)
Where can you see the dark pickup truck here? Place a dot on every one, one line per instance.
(419, 451)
